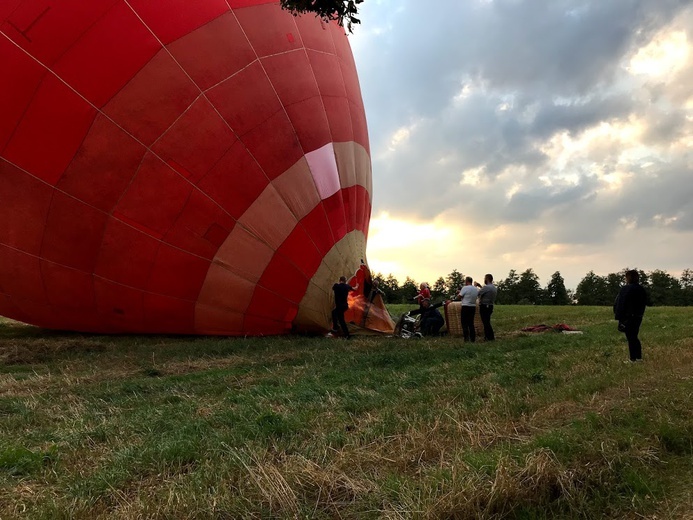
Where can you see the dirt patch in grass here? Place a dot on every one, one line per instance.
(201, 364)
(43, 350)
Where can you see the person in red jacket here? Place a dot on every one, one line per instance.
(424, 293)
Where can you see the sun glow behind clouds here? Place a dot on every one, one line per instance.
(617, 144)
(397, 246)
(665, 55)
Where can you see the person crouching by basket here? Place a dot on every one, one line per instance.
(431, 319)
(468, 295)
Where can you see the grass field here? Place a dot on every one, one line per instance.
(531, 426)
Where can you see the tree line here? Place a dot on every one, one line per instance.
(525, 288)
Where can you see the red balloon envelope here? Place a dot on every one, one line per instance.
(176, 166)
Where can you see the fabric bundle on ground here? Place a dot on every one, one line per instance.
(559, 327)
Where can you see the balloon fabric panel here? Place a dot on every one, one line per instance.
(285, 279)
(296, 188)
(104, 166)
(269, 31)
(315, 36)
(214, 52)
(46, 29)
(274, 144)
(291, 76)
(73, 233)
(339, 118)
(16, 95)
(141, 205)
(113, 60)
(246, 99)
(50, 131)
(121, 307)
(195, 142)
(21, 276)
(235, 181)
(177, 273)
(172, 19)
(153, 99)
(301, 250)
(328, 74)
(313, 132)
(24, 214)
(68, 288)
(114, 266)
(164, 313)
(178, 167)
(201, 227)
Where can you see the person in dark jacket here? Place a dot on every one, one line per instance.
(487, 297)
(629, 310)
(341, 296)
(431, 319)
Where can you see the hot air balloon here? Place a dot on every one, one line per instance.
(169, 166)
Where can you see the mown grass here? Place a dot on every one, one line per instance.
(530, 426)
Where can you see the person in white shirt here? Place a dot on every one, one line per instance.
(468, 295)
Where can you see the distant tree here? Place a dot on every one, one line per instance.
(453, 283)
(687, 286)
(556, 293)
(614, 282)
(571, 297)
(340, 10)
(439, 290)
(644, 277)
(593, 290)
(507, 289)
(528, 288)
(665, 289)
(407, 291)
(390, 288)
(378, 277)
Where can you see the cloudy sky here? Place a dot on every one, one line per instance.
(508, 134)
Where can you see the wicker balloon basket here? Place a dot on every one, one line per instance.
(454, 322)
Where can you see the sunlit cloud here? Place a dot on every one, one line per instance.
(391, 234)
(472, 177)
(512, 191)
(399, 137)
(664, 56)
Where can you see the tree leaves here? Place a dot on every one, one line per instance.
(343, 11)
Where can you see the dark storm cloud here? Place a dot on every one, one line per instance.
(542, 48)
(667, 127)
(534, 203)
(578, 116)
(663, 201)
